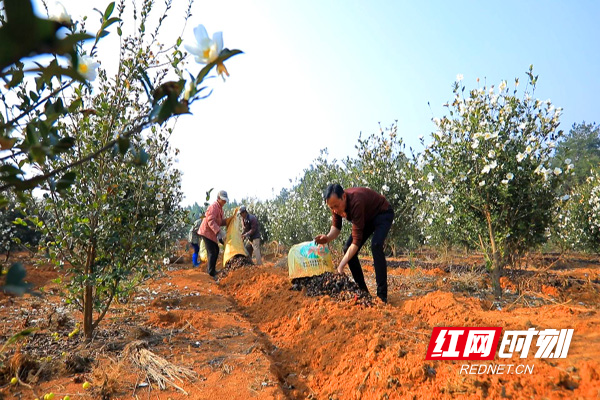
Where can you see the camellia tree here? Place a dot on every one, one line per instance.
(578, 226)
(298, 214)
(489, 170)
(111, 193)
(383, 166)
(40, 95)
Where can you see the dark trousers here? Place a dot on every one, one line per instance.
(212, 253)
(379, 227)
(196, 248)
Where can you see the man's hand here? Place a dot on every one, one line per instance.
(321, 239)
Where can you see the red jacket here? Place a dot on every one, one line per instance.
(211, 224)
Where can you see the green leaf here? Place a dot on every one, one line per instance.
(18, 337)
(74, 106)
(109, 10)
(110, 22)
(66, 181)
(223, 56)
(123, 143)
(63, 144)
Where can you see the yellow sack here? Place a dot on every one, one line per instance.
(309, 259)
(234, 244)
(202, 252)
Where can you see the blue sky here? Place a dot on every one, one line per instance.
(315, 74)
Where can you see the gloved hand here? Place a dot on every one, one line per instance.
(221, 236)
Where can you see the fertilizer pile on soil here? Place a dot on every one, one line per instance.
(339, 287)
(236, 262)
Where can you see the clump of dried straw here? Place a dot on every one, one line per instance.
(157, 368)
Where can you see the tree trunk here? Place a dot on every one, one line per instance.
(496, 274)
(88, 297)
(497, 259)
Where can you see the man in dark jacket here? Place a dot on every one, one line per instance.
(251, 232)
(370, 214)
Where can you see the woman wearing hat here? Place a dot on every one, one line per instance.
(210, 228)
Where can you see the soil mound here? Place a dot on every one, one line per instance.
(337, 286)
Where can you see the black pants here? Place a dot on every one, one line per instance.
(212, 253)
(379, 227)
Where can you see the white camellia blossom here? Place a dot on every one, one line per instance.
(88, 68)
(482, 183)
(475, 144)
(505, 181)
(159, 196)
(568, 161)
(520, 157)
(502, 85)
(60, 14)
(385, 188)
(459, 77)
(205, 50)
(491, 154)
(510, 176)
(557, 171)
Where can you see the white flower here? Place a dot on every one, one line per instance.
(385, 188)
(502, 85)
(206, 50)
(475, 144)
(451, 209)
(557, 171)
(565, 197)
(570, 167)
(60, 14)
(159, 196)
(528, 149)
(510, 176)
(166, 261)
(568, 161)
(87, 68)
(410, 182)
(491, 154)
(522, 126)
(489, 167)
(482, 183)
(430, 177)
(520, 157)
(459, 77)
(505, 181)
(462, 177)
(448, 221)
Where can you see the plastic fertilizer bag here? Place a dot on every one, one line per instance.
(309, 259)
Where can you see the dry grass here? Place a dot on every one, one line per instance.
(157, 368)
